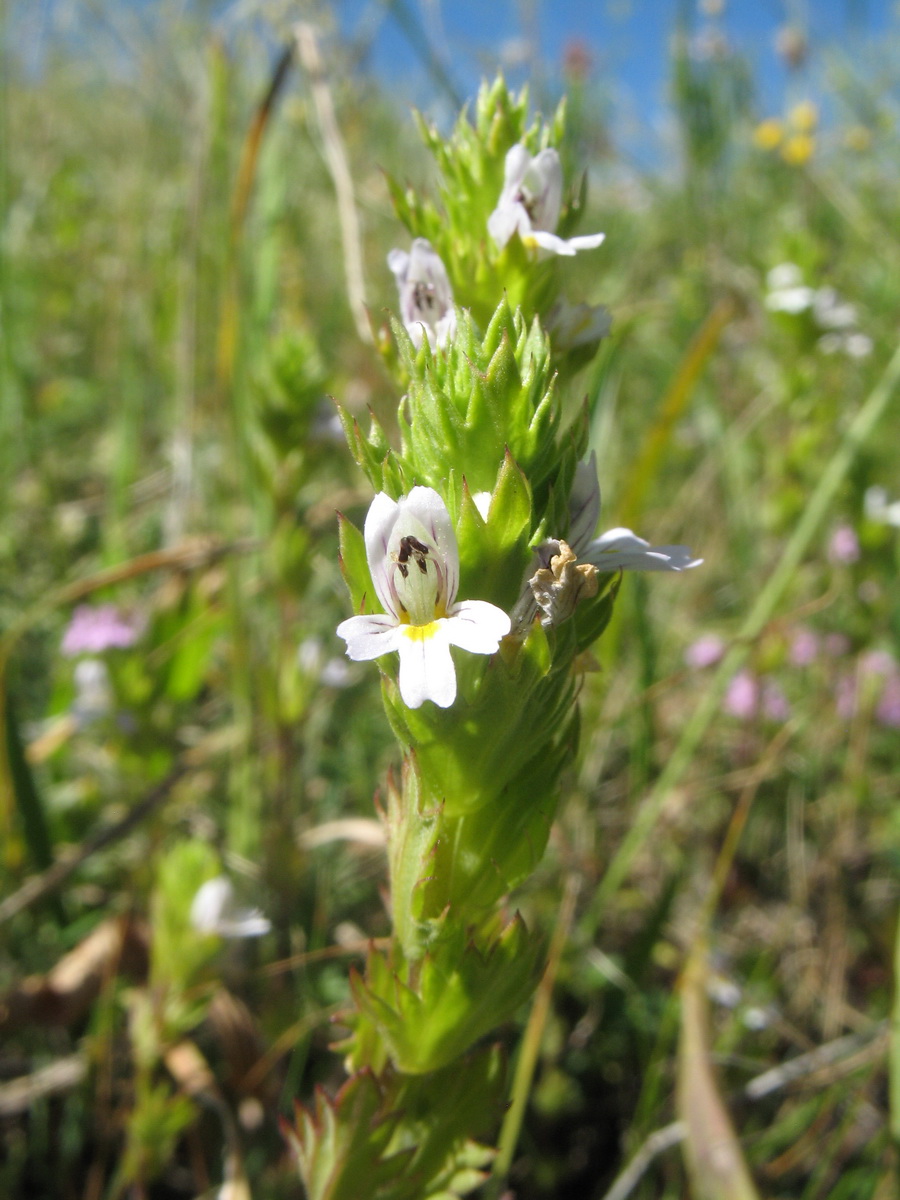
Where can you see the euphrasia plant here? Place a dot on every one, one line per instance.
(475, 583)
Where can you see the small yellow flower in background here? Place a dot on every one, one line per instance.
(798, 149)
(768, 134)
(804, 117)
(858, 138)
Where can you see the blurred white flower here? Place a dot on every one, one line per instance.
(93, 691)
(426, 298)
(879, 508)
(843, 548)
(214, 911)
(831, 312)
(331, 672)
(530, 204)
(786, 290)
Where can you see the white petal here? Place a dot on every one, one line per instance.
(380, 521)
(515, 166)
(617, 539)
(426, 667)
(544, 182)
(445, 330)
(482, 501)
(506, 218)
(477, 626)
(562, 246)
(584, 504)
(210, 902)
(587, 241)
(244, 922)
(398, 261)
(545, 240)
(369, 637)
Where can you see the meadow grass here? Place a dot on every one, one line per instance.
(173, 319)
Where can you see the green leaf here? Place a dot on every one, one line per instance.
(429, 1012)
(355, 567)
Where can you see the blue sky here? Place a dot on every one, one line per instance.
(627, 41)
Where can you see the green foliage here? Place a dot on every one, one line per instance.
(180, 955)
(385, 1136)
(173, 317)
(430, 1010)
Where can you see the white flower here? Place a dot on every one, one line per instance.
(426, 298)
(93, 691)
(785, 275)
(617, 549)
(214, 911)
(530, 204)
(414, 564)
(831, 312)
(878, 507)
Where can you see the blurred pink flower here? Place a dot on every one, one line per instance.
(742, 698)
(844, 545)
(93, 630)
(877, 662)
(774, 702)
(804, 647)
(887, 711)
(836, 644)
(845, 696)
(705, 652)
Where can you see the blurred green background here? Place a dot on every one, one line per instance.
(174, 316)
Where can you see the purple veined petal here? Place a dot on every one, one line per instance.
(380, 521)
(370, 637)
(426, 667)
(543, 181)
(584, 504)
(425, 507)
(477, 626)
(620, 549)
